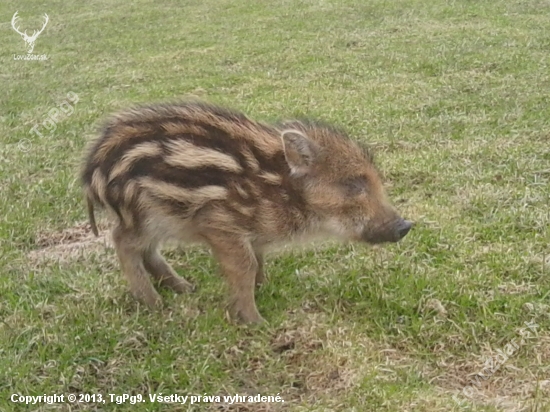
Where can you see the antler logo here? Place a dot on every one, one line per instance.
(30, 40)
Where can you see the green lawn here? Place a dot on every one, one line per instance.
(453, 96)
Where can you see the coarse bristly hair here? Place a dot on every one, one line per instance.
(196, 172)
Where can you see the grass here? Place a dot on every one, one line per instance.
(453, 98)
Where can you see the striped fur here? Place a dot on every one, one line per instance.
(195, 172)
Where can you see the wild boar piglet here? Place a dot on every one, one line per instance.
(195, 172)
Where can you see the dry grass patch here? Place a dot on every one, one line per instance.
(70, 244)
(501, 380)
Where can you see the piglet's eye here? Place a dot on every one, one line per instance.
(355, 185)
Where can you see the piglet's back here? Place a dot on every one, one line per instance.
(177, 158)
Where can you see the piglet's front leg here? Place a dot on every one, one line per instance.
(239, 265)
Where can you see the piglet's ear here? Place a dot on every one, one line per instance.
(300, 151)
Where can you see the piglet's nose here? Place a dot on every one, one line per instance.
(403, 228)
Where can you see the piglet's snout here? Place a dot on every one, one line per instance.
(402, 228)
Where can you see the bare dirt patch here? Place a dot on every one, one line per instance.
(70, 244)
